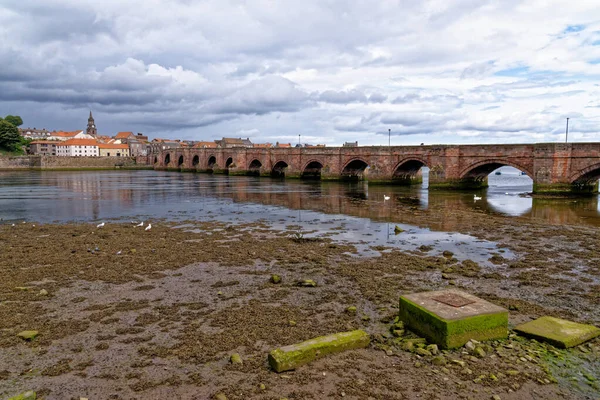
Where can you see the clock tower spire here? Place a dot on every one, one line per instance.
(91, 126)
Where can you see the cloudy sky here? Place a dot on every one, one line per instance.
(442, 71)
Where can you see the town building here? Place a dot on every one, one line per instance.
(157, 145)
(91, 126)
(263, 145)
(205, 145)
(234, 142)
(43, 147)
(78, 148)
(350, 144)
(69, 135)
(113, 150)
(34, 133)
(283, 145)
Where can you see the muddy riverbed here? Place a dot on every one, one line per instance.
(131, 314)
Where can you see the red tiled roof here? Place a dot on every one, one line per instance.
(123, 135)
(66, 134)
(80, 142)
(112, 146)
(46, 142)
(284, 145)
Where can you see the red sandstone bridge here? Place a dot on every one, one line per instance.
(554, 167)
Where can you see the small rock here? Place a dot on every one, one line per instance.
(460, 363)
(398, 332)
(448, 254)
(275, 279)
(398, 230)
(307, 283)
(132, 251)
(28, 335)
(513, 307)
(446, 276)
(43, 292)
(219, 293)
(366, 318)
(418, 364)
(512, 372)
(467, 371)
(479, 352)
(433, 348)
(235, 359)
(452, 282)
(389, 352)
(408, 346)
(292, 322)
(351, 310)
(423, 352)
(220, 396)
(470, 346)
(439, 360)
(262, 386)
(496, 397)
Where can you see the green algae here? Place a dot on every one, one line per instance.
(558, 332)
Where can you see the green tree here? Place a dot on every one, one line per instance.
(9, 136)
(14, 119)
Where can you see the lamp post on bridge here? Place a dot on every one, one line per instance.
(567, 131)
(389, 137)
(299, 141)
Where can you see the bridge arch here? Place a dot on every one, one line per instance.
(481, 169)
(588, 175)
(180, 161)
(407, 171)
(254, 167)
(196, 160)
(312, 170)
(155, 159)
(355, 169)
(167, 159)
(279, 168)
(212, 162)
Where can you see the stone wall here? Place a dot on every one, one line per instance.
(54, 162)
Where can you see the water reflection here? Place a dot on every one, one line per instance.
(64, 196)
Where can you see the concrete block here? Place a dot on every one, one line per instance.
(450, 318)
(293, 356)
(558, 332)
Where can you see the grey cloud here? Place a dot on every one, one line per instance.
(343, 97)
(377, 98)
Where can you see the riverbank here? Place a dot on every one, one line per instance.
(157, 314)
(54, 163)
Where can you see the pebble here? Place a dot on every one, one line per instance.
(220, 396)
(496, 397)
(236, 359)
(275, 279)
(43, 292)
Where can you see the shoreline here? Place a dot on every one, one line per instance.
(162, 317)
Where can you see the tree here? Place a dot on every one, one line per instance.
(14, 119)
(9, 136)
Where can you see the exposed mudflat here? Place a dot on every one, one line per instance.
(155, 315)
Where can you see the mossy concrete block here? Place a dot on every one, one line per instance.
(558, 332)
(30, 395)
(293, 356)
(450, 318)
(28, 335)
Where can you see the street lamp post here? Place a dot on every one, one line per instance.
(567, 131)
(299, 140)
(389, 137)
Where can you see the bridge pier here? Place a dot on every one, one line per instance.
(566, 189)
(459, 184)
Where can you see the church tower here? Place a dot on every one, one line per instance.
(91, 127)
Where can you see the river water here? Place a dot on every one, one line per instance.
(349, 212)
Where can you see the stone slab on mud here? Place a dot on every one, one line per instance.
(450, 318)
(293, 356)
(558, 332)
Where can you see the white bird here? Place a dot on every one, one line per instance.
(119, 252)
(13, 224)
(140, 224)
(148, 227)
(385, 198)
(475, 197)
(101, 225)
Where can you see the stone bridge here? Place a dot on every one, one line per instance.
(553, 167)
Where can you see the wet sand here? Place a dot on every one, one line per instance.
(132, 314)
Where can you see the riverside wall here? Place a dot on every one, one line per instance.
(68, 163)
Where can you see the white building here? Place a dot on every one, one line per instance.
(69, 135)
(78, 148)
